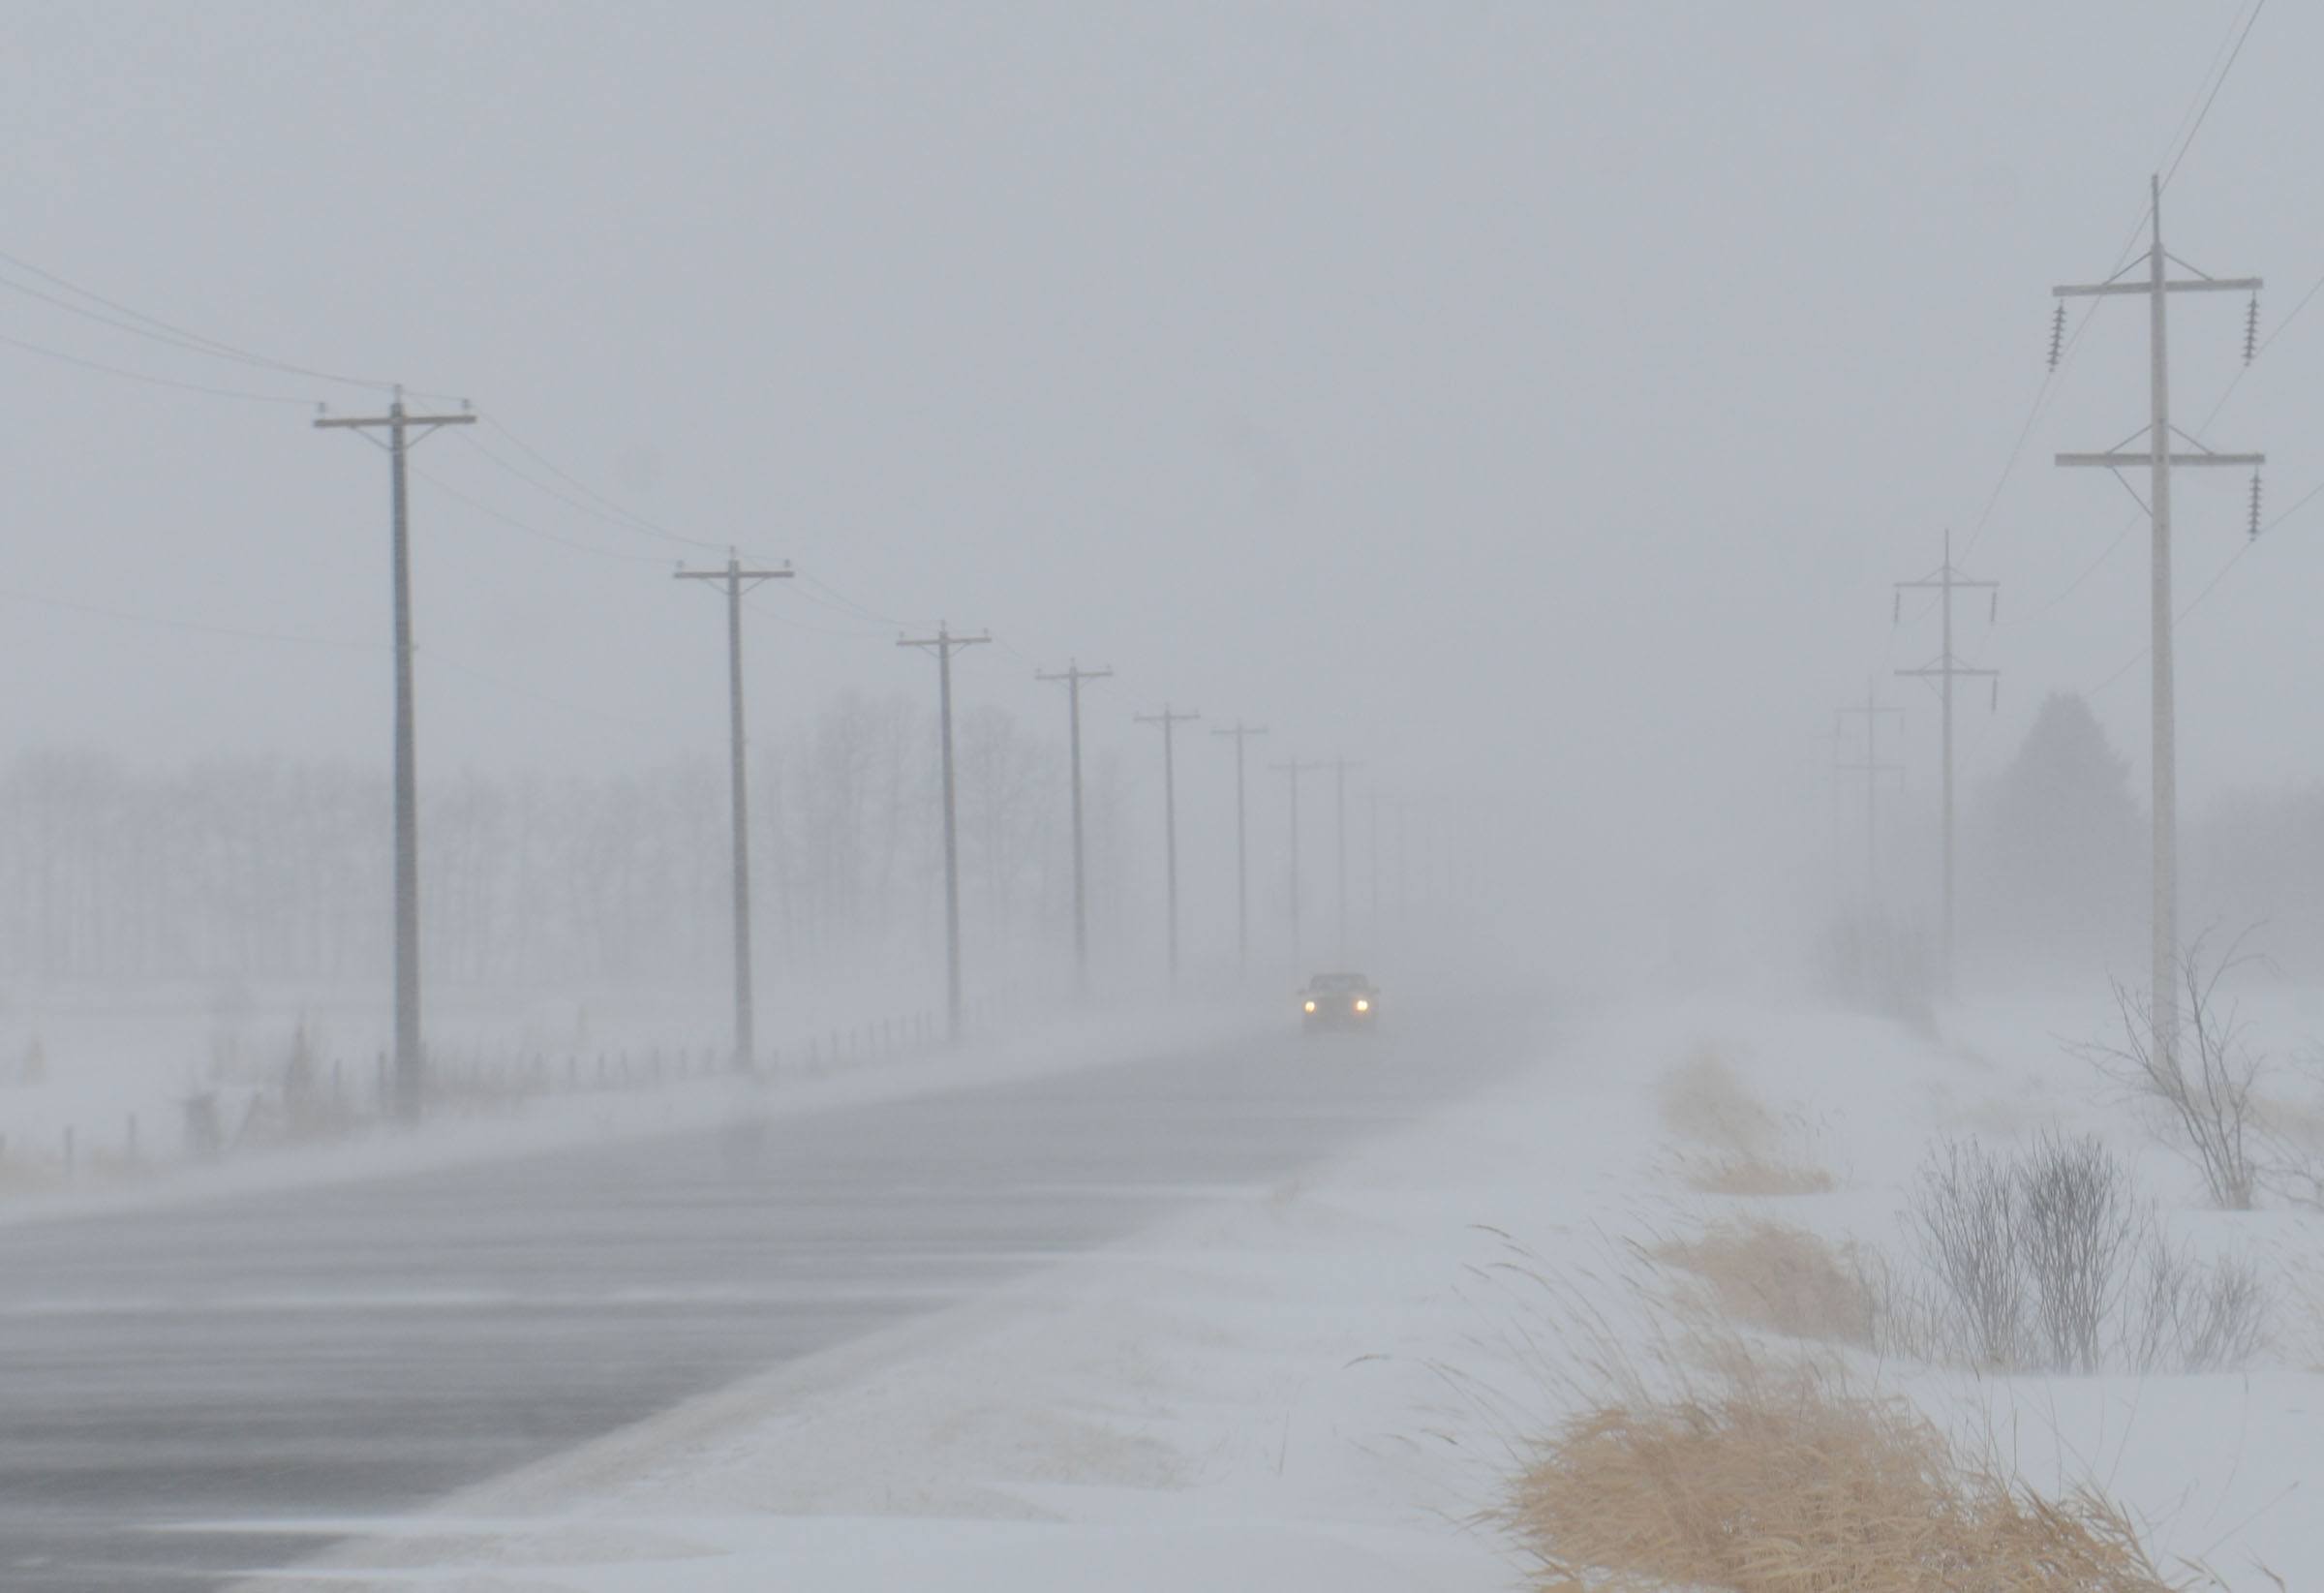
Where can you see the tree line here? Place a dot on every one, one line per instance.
(255, 868)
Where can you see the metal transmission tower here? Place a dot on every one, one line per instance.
(2160, 457)
(1242, 733)
(1295, 768)
(738, 581)
(1170, 721)
(401, 427)
(1073, 676)
(1946, 669)
(1339, 802)
(1872, 769)
(944, 644)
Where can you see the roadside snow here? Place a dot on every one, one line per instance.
(1319, 1388)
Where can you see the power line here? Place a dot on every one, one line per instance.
(2211, 99)
(166, 622)
(137, 322)
(528, 528)
(87, 364)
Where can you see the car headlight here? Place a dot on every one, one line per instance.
(1311, 1006)
(1364, 1006)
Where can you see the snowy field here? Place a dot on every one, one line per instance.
(111, 1080)
(1325, 1385)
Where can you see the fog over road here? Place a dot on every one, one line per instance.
(363, 1349)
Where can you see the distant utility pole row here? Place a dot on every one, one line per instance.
(404, 430)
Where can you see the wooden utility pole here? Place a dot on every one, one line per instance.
(944, 644)
(1340, 841)
(1170, 720)
(1242, 733)
(404, 430)
(738, 581)
(1073, 677)
(1296, 768)
(1946, 669)
(1872, 769)
(2160, 457)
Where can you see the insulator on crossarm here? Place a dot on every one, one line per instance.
(2251, 331)
(2058, 335)
(2252, 528)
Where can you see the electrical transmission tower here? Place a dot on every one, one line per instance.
(1170, 721)
(1872, 769)
(1073, 675)
(1946, 670)
(2160, 457)
(401, 428)
(1339, 801)
(944, 644)
(1295, 768)
(737, 581)
(1242, 733)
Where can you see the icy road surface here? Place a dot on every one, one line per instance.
(364, 1348)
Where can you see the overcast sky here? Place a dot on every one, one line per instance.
(1529, 397)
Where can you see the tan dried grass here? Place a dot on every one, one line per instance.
(1782, 1279)
(1758, 1176)
(1705, 1100)
(1787, 1481)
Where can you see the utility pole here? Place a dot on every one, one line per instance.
(738, 581)
(944, 644)
(1946, 669)
(400, 427)
(1372, 801)
(1339, 801)
(2160, 457)
(1073, 676)
(1170, 721)
(1242, 733)
(1295, 768)
(1872, 769)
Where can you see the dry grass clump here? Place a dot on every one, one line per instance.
(1780, 1278)
(1705, 1100)
(1756, 1176)
(1785, 1481)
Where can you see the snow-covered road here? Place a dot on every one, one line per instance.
(172, 1380)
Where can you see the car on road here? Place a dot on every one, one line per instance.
(1341, 1002)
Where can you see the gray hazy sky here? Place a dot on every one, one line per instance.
(1534, 397)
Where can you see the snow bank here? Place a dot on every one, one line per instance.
(1319, 1388)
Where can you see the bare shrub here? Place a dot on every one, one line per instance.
(1788, 1480)
(1780, 1278)
(1965, 1217)
(2051, 1261)
(2203, 1076)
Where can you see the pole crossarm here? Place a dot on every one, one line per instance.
(2122, 460)
(2177, 285)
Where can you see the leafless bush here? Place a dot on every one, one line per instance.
(2050, 1262)
(2202, 1074)
(1966, 1220)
